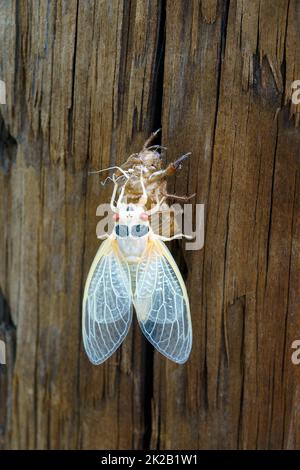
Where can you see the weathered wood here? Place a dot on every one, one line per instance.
(81, 93)
(86, 83)
(223, 99)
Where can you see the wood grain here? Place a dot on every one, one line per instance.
(230, 112)
(86, 82)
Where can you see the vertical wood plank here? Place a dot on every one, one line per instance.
(224, 101)
(81, 97)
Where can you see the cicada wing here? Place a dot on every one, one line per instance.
(107, 304)
(162, 304)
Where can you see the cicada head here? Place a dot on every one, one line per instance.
(131, 231)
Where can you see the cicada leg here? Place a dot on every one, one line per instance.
(178, 235)
(170, 170)
(144, 198)
(179, 198)
(157, 206)
(114, 207)
(112, 201)
(149, 140)
(103, 237)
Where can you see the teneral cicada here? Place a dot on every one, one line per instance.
(134, 268)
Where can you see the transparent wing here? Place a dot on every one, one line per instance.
(162, 305)
(107, 304)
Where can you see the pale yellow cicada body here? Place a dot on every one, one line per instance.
(134, 268)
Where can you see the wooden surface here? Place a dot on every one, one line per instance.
(86, 83)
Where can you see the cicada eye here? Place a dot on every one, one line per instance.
(121, 231)
(139, 230)
(144, 216)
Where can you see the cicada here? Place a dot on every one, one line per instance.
(133, 268)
